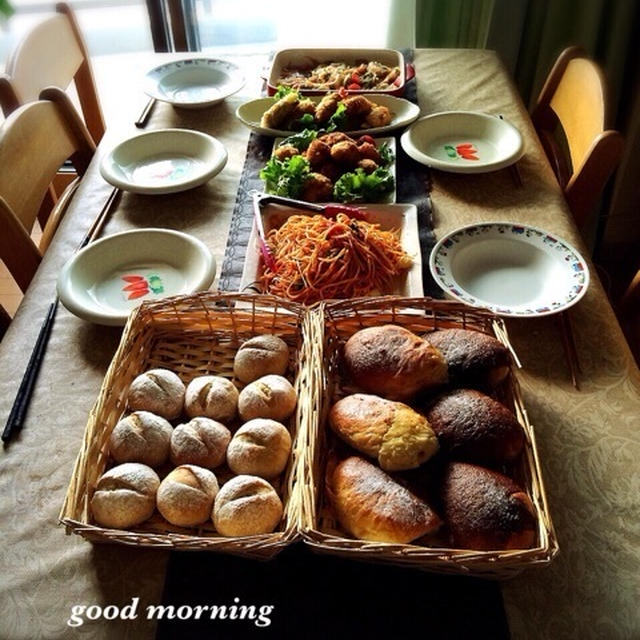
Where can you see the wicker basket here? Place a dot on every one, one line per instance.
(192, 335)
(320, 529)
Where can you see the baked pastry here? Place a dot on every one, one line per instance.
(125, 496)
(186, 495)
(261, 447)
(141, 437)
(392, 432)
(370, 505)
(267, 397)
(474, 427)
(393, 362)
(246, 506)
(201, 441)
(261, 356)
(159, 391)
(213, 397)
(485, 510)
(475, 359)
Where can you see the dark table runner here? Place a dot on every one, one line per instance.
(320, 596)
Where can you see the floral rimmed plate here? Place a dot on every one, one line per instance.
(511, 269)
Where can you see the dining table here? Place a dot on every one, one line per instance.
(588, 438)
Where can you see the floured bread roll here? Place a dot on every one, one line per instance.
(370, 505)
(475, 359)
(213, 397)
(125, 496)
(186, 495)
(201, 441)
(393, 362)
(268, 397)
(246, 506)
(474, 427)
(260, 447)
(486, 510)
(141, 437)
(392, 432)
(159, 391)
(261, 356)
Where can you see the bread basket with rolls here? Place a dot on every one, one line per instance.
(193, 440)
(422, 455)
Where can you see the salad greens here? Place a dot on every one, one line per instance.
(359, 186)
(300, 140)
(285, 177)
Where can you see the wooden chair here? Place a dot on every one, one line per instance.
(35, 140)
(574, 100)
(53, 53)
(5, 321)
(628, 312)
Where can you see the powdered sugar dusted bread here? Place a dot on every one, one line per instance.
(268, 397)
(246, 506)
(370, 505)
(186, 495)
(201, 441)
(159, 391)
(261, 356)
(393, 362)
(125, 496)
(213, 397)
(141, 437)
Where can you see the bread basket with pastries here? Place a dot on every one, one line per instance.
(192, 442)
(422, 454)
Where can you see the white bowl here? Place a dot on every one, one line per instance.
(164, 161)
(513, 270)
(463, 142)
(193, 83)
(110, 277)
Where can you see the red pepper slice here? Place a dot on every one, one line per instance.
(353, 86)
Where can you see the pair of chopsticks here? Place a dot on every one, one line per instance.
(25, 390)
(569, 346)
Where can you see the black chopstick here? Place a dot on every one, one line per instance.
(570, 350)
(146, 112)
(514, 171)
(25, 390)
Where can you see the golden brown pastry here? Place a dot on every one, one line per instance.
(201, 441)
(159, 391)
(246, 506)
(141, 437)
(260, 447)
(125, 496)
(214, 397)
(267, 397)
(474, 427)
(393, 362)
(259, 357)
(370, 505)
(475, 359)
(392, 432)
(186, 495)
(485, 510)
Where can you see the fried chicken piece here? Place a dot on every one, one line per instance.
(369, 166)
(279, 112)
(345, 153)
(317, 153)
(357, 106)
(285, 151)
(333, 137)
(327, 107)
(368, 150)
(330, 169)
(317, 188)
(379, 116)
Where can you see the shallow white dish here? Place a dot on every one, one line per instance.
(513, 270)
(164, 161)
(463, 142)
(110, 277)
(404, 113)
(403, 217)
(193, 83)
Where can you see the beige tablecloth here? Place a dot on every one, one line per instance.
(588, 440)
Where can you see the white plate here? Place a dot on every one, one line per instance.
(110, 277)
(463, 142)
(513, 270)
(404, 113)
(403, 217)
(193, 83)
(164, 161)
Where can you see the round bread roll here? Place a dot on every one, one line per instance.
(159, 391)
(246, 506)
(141, 437)
(393, 362)
(268, 397)
(259, 357)
(213, 397)
(201, 441)
(260, 447)
(125, 495)
(186, 495)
